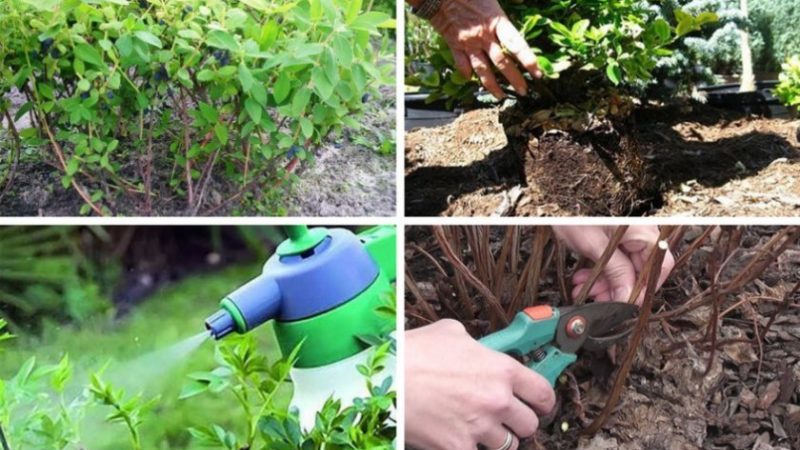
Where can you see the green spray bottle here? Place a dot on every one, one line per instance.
(322, 288)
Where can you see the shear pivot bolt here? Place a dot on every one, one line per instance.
(576, 326)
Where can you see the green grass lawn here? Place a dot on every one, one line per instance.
(173, 314)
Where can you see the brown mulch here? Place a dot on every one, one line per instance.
(747, 399)
(663, 161)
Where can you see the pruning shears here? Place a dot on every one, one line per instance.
(549, 337)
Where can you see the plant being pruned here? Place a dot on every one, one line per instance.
(139, 99)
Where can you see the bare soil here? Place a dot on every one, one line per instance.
(678, 160)
(348, 178)
(672, 400)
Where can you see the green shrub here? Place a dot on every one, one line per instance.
(788, 91)
(776, 21)
(44, 273)
(130, 95)
(53, 418)
(580, 44)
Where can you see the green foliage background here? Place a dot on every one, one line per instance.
(173, 314)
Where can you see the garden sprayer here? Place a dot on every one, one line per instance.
(321, 288)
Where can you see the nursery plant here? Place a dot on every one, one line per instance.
(131, 100)
(579, 43)
(788, 91)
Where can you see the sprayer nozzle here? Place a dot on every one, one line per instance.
(220, 324)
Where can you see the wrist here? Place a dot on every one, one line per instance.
(426, 9)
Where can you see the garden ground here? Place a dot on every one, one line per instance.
(748, 399)
(352, 177)
(666, 161)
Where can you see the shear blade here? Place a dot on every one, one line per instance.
(606, 324)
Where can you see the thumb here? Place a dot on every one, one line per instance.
(621, 276)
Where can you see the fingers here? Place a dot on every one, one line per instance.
(512, 40)
(508, 68)
(482, 66)
(621, 276)
(495, 438)
(666, 267)
(522, 421)
(462, 64)
(533, 389)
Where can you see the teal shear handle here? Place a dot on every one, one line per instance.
(532, 332)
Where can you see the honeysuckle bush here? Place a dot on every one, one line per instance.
(788, 91)
(128, 96)
(580, 44)
(52, 415)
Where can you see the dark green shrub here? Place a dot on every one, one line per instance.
(776, 21)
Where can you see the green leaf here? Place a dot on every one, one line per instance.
(185, 79)
(114, 81)
(300, 101)
(662, 30)
(253, 109)
(705, 18)
(322, 86)
(89, 54)
(614, 72)
(307, 127)
(189, 34)
(259, 94)
(222, 133)
(192, 389)
(205, 75)
(245, 77)
(72, 166)
(269, 34)
(282, 87)
(149, 38)
(371, 21)
(221, 39)
(353, 10)
(43, 5)
(260, 5)
(209, 113)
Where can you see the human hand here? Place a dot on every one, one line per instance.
(481, 37)
(460, 394)
(620, 274)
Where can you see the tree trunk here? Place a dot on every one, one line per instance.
(748, 81)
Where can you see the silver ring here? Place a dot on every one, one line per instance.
(507, 444)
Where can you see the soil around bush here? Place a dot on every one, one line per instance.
(678, 160)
